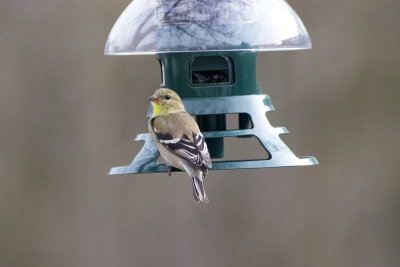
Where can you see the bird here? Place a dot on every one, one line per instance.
(179, 140)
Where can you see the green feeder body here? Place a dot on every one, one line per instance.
(234, 73)
(211, 63)
(211, 74)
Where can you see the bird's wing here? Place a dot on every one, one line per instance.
(200, 143)
(177, 140)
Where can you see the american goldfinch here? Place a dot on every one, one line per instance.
(179, 140)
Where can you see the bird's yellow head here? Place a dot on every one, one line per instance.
(165, 101)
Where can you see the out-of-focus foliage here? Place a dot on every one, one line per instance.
(68, 113)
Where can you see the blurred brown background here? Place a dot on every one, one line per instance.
(68, 113)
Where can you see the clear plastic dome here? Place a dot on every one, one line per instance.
(161, 26)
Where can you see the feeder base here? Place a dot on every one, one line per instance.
(255, 106)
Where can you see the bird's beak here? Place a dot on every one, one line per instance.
(154, 99)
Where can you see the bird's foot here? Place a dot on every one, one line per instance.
(170, 170)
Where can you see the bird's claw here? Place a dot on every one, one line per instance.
(169, 170)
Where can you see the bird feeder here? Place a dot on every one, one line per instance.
(207, 51)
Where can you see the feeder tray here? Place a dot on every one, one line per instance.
(255, 106)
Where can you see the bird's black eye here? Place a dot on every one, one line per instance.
(167, 97)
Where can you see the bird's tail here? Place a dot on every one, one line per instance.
(198, 188)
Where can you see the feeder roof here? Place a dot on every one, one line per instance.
(163, 26)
